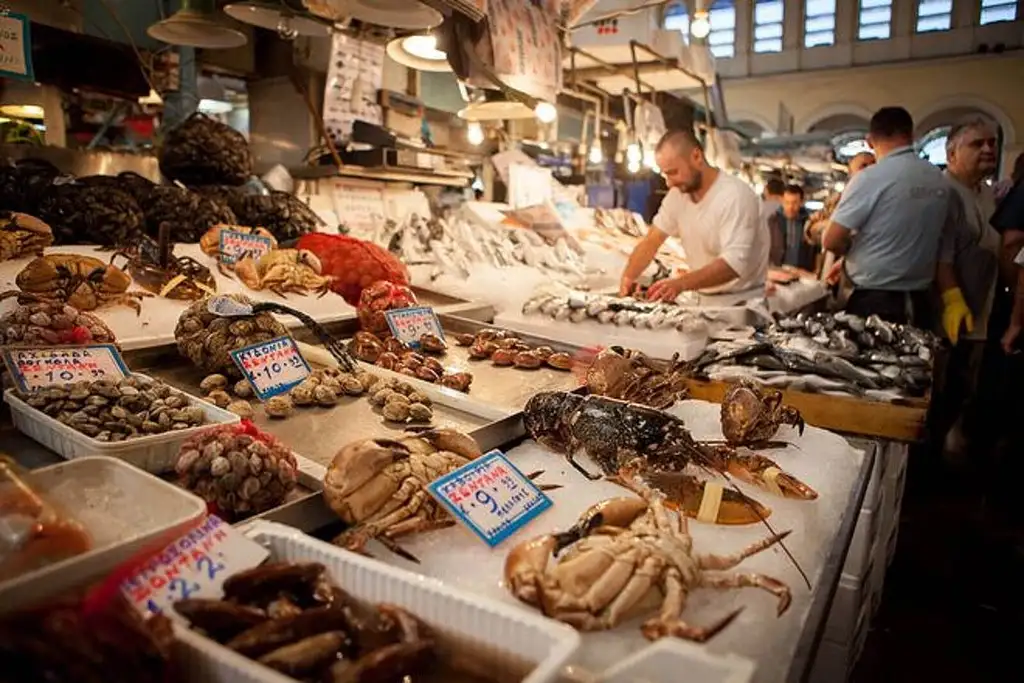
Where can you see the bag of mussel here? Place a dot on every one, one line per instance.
(204, 151)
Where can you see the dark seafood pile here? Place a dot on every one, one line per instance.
(188, 214)
(423, 364)
(90, 213)
(62, 642)
(295, 619)
(825, 352)
(286, 216)
(505, 348)
(577, 307)
(48, 324)
(22, 184)
(204, 151)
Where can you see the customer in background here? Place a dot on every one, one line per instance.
(789, 223)
(888, 226)
(771, 202)
(966, 276)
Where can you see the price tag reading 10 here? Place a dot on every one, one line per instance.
(33, 368)
(491, 497)
(236, 245)
(409, 324)
(272, 367)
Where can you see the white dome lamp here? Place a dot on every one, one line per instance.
(419, 52)
(287, 18)
(700, 27)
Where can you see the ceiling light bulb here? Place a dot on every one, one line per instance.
(633, 166)
(700, 27)
(546, 112)
(474, 133)
(633, 153)
(648, 158)
(595, 156)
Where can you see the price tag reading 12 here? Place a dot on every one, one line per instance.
(272, 367)
(236, 245)
(409, 324)
(193, 566)
(33, 368)
(491, 497)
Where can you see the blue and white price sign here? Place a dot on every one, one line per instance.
(15, 46)
(491, 497)
(409, 324)
(236, 245)
(272, 367)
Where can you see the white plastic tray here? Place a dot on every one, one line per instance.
(156, 453)
(490, 625)
(666, 659)
(122, 508)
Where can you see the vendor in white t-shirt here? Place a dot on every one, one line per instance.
(715, 217)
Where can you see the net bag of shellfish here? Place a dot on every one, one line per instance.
(354, 264)
(237, 469)
(204, 151)
(22, 184)
(188, 214)
(90, 213)
(286, 216)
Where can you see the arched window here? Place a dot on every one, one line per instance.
(722, 17)
(932, 146)
(677, 19)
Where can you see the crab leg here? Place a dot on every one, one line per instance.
(755, 469)
(668, 622)
(767, 583)
(704, 501)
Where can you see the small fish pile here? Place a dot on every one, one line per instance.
(829, 353)
(576, 307)
(455, 247)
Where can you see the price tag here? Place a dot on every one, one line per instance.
(36, 367)
(491, 497)
(409, 324)
(235, 246)
(272, 367)
(193, 566)
(15, 46)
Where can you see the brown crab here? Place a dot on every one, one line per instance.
(84, 282)
(21, 234)
(283, 271)
(182, 277)
(629, 375)
(752, 414)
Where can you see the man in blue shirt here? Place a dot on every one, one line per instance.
(789, 224)
(889, 224)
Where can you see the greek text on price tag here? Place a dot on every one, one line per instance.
(236, 245)
(193, 566)
(33, 368)
(272, 367)
(409, 324)
(491, 497)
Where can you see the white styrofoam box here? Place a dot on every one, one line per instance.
(122, 508)
(834, 662)
(664, 659)
(156, 453)
(851, 597)
(495, 628)
(858, 555)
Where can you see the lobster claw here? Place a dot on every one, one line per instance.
(753, 468)
(707, 501)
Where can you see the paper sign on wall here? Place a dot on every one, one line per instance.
(15, 46)
(528, 186)
(272, 367)
(34, 368)
(193, 566)
(409, 324)
(491, 497)
(236, 245)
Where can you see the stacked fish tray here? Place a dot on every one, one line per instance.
(860, 376)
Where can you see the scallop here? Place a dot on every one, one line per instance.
(325, 396)
(279, 407)
(243, 389)
(396, 411)
(219, 398)
(242, 409)
(302, 395)
(420, 412)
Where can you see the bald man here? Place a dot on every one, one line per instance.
(715, 217)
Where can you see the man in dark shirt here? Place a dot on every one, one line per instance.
(788, 224)
(1009, 221)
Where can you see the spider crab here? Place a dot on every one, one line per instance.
(752, 413)
(623, 556)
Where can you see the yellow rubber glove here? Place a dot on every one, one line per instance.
(955, 314)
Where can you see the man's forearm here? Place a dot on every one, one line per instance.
(945, 277)
(836, 239)
(641, 257)
(716, 273)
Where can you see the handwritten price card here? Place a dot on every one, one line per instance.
(272, 367)
(33, 368)
(491, 497)
(409, 324)
(193, 566)
(236, 245)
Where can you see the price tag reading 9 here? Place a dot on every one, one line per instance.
(235, 246)
(272, 367)
(491, 497)
(409, 324)
(34, 368)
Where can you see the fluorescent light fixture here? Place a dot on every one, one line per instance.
(546, 112)
(700, 27)
(214, 106)
(22, 111)
(419, 52)
(474, 133)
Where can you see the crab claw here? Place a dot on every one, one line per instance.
(707, 501)
(758, 470)
(792, 416)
